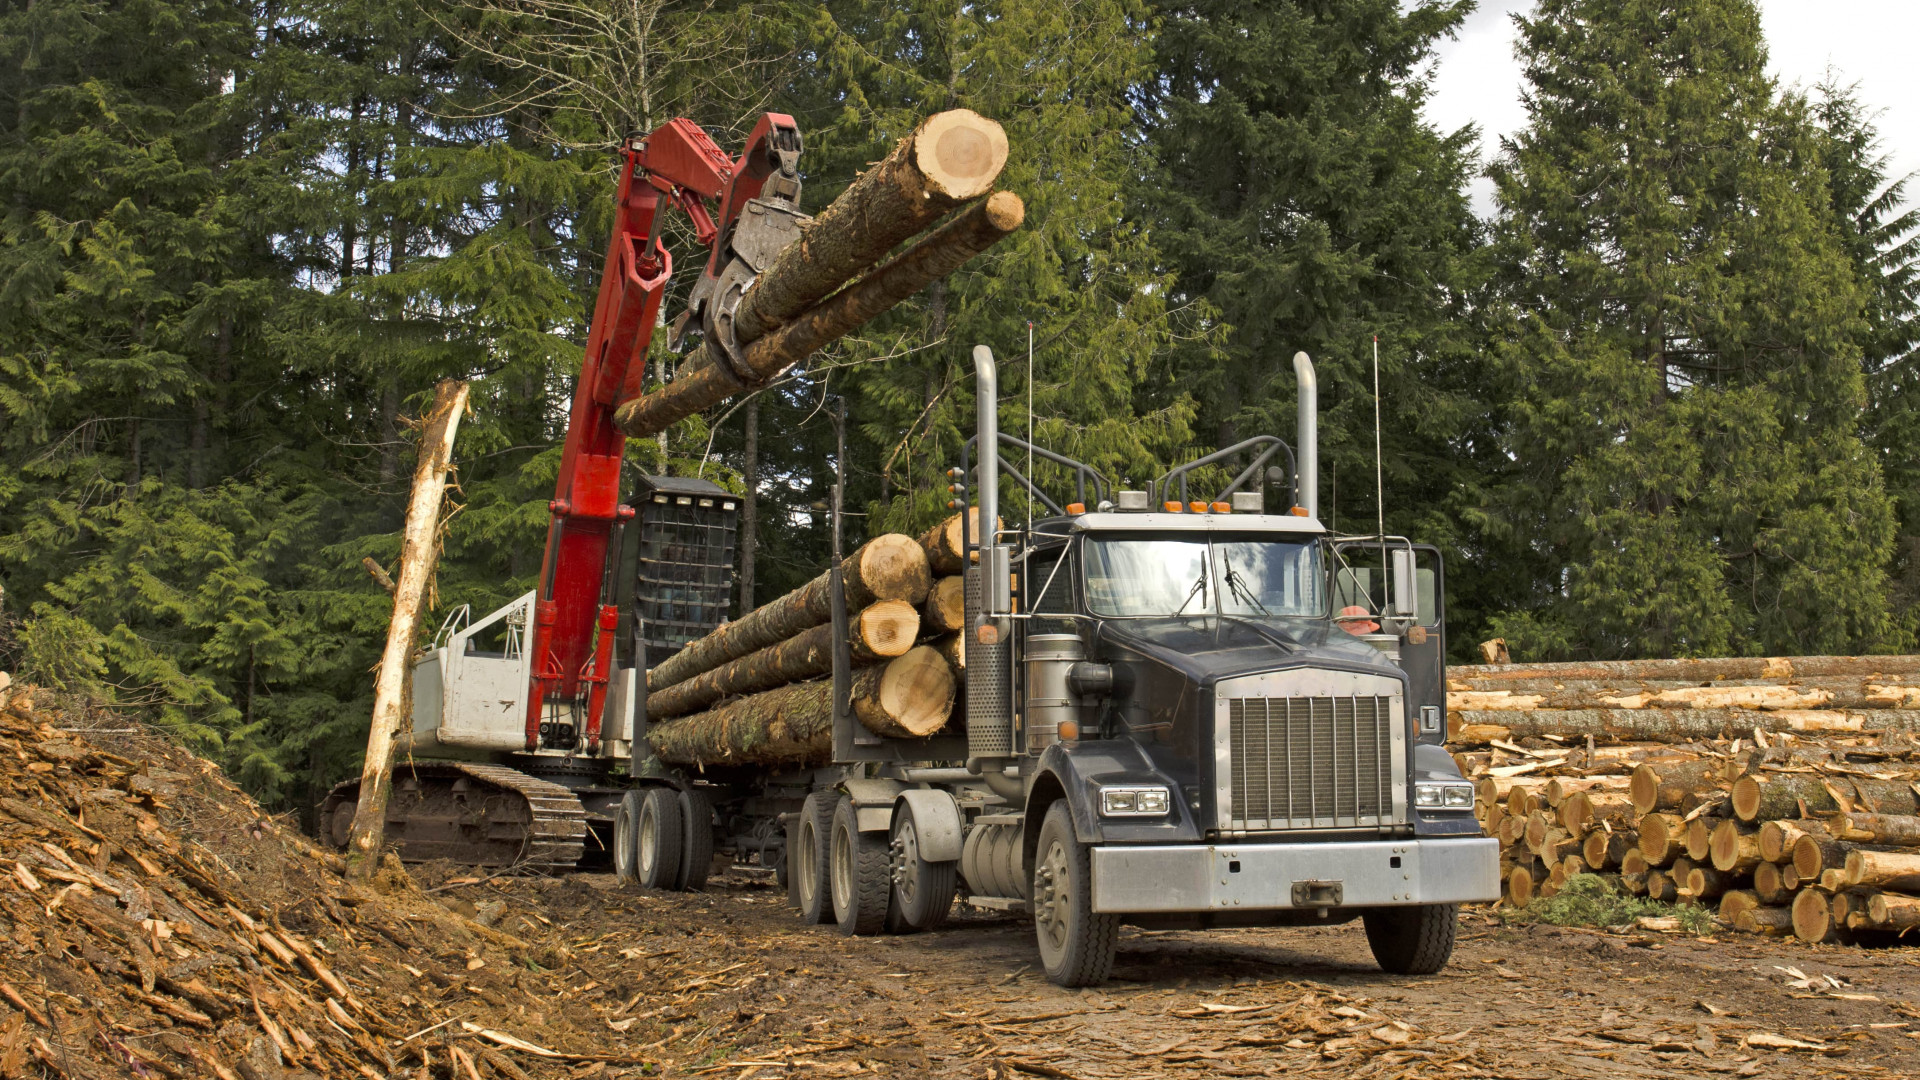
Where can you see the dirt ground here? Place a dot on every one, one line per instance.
(728, 983)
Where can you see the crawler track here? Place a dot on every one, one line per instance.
(480, 815)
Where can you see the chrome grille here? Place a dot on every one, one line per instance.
(1309, 762)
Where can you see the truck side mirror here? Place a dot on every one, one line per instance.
(1402, 601)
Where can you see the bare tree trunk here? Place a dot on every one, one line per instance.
(418, 553)
(750, 506)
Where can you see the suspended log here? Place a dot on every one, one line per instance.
(1782, 795)
(1894, 830)
(1662, 838)
(1684, 725)
(944, 542)
(910, 696)
(1769, 921)
(1891, 911)
(890, 567)
(1768, 886)
(1603, 849)
(1734, 848)
(939, 253)
(1698, 671)
(1778, 837)
(878, 632)
(1896, 870)
(1675, 786)
(1633, 872)
(945, 609)
(419, 552)
(1812, 917)
(1814, 855)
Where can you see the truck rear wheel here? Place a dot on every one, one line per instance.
(1076, 945)
(696, 853)
(807, 858)
(661, 836)
(922, 890)
(626, 837)
(1412, 940)
(857, 870)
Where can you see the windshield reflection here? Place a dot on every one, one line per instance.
(1201, 575)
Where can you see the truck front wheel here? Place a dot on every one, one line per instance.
(1076, 945)
(1412, 940)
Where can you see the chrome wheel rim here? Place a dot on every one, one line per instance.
(803, 863)
(906, 860)
(1053, 897)
(842, 871)
(622, 841)
(649, 842)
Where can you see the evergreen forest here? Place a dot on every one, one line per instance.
(1662, 402)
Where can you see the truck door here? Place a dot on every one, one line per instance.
(1413, 581)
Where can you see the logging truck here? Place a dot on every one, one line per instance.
(1138, 707)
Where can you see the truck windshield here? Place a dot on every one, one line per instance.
(1204, 576)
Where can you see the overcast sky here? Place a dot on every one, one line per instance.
(1870, 42)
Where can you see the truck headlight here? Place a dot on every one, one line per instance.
(1133, 801)
(1443, 796)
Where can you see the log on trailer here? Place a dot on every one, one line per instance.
(889, 567)
(879, 632)
(911, 696)
(945, 541)
(945, 609)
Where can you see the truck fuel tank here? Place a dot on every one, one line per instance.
(1050, 699)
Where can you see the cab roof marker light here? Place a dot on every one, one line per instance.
(1223, 508)
(1173, 507)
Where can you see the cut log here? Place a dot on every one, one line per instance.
(1476, 734)
(945, 609)
(1778, 837)
(419, 552)
(1698, 671)
(703, 383)
(944, 542)
(1892, 911)
(890, 567)
(1585, 809)
(1832, 881)
(1735, 901)
(954, 648)
(1661, 887)
(1603, 849)
(1894, 830)
(1700, 838)
(1767, 884)
(1633, 872)
(1521, 800)
(1812, 917)
(879, 632)
(1685, 725)
(1814, 855)
(1789, 877)
(1561, 788)
(1769, 921)
(910, 696)
(1513, 832)
(1662, 838)
(1705, 883)
(1523, 881)
(1780, 795)
(1495, 814)
(1895, 870)
(1674, 786)
(1734, 848)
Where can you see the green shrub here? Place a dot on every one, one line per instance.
(1591, 900)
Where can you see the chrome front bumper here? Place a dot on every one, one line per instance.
(1243, 877)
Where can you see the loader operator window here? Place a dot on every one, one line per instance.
(1256, 578)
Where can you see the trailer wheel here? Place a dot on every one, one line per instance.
(922, 890)
(807, 858)
(1076, 945)
(857, 870)
(696, 854)
(1412, 940)
(661, 835)
(626, 837)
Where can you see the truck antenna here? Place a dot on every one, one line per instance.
(1029, 427)
(1379, 476)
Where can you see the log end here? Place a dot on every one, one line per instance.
(960, 153)
(889, 628)
(1745, 795)
(1812, 916)
(1005, 211)
(894, 567)
(1645, 789)
(914, 697)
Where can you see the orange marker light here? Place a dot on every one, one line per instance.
(988, 634)
(1069, 730)
(1173, 507)
(1076, 508)
(1198, 507)
(1222, 508)
(1298, 511)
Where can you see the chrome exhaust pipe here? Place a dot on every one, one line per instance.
(989, 596)
(1307, 435)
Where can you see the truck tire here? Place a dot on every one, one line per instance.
(922, 890)
(660, 837)
(807, 858)
(857, 872)
(1412, 940)
(696, 853)
(626, 837)
(1076, 945)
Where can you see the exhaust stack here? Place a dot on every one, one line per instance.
(989, 653)
(1307, 434)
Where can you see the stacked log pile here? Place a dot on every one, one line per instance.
(758, 691)
(1784, 793)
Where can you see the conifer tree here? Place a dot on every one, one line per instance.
(1684, 340)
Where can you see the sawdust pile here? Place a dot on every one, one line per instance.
(155, 922)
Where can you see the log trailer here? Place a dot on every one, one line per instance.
(1178, 713)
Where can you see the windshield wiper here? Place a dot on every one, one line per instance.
(1199, 589)
(1239, 588)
